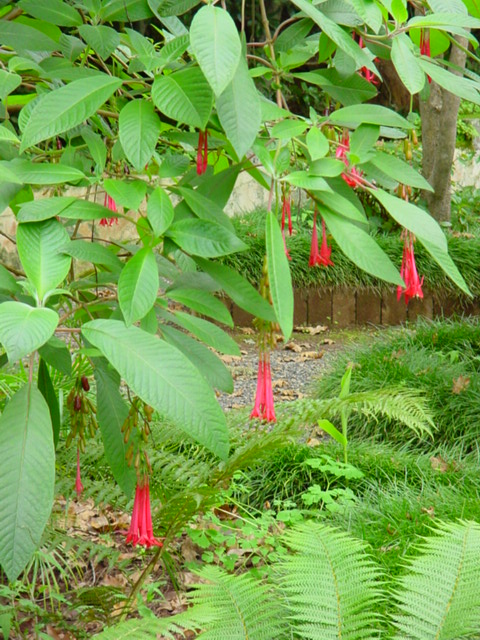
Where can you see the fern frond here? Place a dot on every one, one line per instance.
(330, 584)
(401, 404)
(235, 608)
(146, 629)
(440, 596)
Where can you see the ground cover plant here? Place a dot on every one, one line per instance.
(125, 128)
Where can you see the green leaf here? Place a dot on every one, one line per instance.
(102, 39)
(443, 259)
(54, 11)
(159, 211)
(43, 174)
(207, 332)
(164, 378)
(56, 353)
(306, 180)
(67, 107)
(202, 302)
(342, 39)
(8, 83)
(97, 148)
(172, 7)
(27, 476)
(138, 286)
(287, 129)
(112, 411)
(279, 275)
(370, 13)
(208, 363)
(216, 44)
(239, 110)
(205, 208)
(6, 135)
(93, 252)
(370, 114)
(363, 140)
(360, 247)
(39, 247)
(457, 85)
(204, 238)
(239, 289)
(317, 144)
(139, 127)
(399, 170)
(125, 10)
(7, 175)
(64, 206)
(24, 38)
(342, 205)
(407, 65)
(7, 281)
(327, 167)
(328, 427)
(46, 388)
(126, 194)
(184, 96)
(399, 11)
(23, 329)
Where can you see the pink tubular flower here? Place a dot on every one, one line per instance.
(353, 177)
(202, 152)
(78, 481)
(364, 72)
(109, 202)
(425, 45)
(322, 257)
(264, 404)
(408, 271)
(141, 528)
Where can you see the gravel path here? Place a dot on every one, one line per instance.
(295, 366)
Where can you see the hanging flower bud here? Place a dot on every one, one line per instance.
(110, 203)
(85, 383)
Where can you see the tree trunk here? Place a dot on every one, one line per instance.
(439, 132)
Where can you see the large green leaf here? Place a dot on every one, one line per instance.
(27, 476)
(7, 281)
(184, 96)
(65, 206)
(164, 378)
(370, 114)
(348, 91)
(44, 173)
(317, 144)
(279, 275)
(138, 286)
(102, 39)
(24, 38)
(446, 263)
(56, 353)
(206, 331)
(39, 247)
(112, 411)
(360, 247)
(93, 252)
(204, 238)
(125, 10)
(406, 64)
(172, 7)
(341, 205)
(363, 141)
(399, 170)
(216, 44)
(54, 11)
(342, 39)
(8, 83)
(205, 208)
(239, 110)
(160, 211)
(239, 289)
(46, 388)
(128, 194)
(67, 107)
(208, 363)
(202, 302)
(462, 87)
(23, 328)
(139, 127)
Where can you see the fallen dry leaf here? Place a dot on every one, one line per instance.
(439, 464)
(248, 331)
(312, 355)
(460, 384)
(293, 346)
(328, 341)
(229, 359)
(430, 511)
(313, 331)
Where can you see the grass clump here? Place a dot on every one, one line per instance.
(439, 359)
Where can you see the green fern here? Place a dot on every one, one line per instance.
(394, 403)
(330, 584)
(440, 596)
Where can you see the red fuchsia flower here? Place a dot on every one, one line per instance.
(141, 527)
(109, 202)
(425, 45)
(202, 152)
(264, 404)
(364, 72)
(78, 481)
(322, 257)
(408, 271)
(353, 177)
